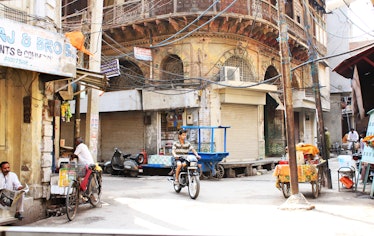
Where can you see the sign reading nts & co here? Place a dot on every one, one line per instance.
(31, 48)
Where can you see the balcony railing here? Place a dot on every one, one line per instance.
(141, 10)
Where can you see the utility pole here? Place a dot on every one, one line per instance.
(287, 93)
(92, 116)
(296, 200)
(317, 95)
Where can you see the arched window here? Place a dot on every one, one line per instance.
(245, 70)
(172, 72)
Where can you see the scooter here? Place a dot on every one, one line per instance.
(125, 164)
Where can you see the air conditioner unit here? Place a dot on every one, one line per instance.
(230, 73)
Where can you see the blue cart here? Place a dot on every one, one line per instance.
(209, 158)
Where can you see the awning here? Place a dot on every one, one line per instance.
(364, 63)
(83, 77)
(92, 79)
(363, 60)
(277, 100)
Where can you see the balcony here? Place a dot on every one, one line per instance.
(139, 19)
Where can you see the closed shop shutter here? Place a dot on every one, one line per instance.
(242, 137)
(124, 130)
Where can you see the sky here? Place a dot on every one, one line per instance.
(362, 14)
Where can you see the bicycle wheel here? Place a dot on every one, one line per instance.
(194, 186)
(95, 189)
(72, 200)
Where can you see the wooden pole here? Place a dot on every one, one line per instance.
(287, 93)
(317, 96)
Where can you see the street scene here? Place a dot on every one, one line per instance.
(148, 205)
(170, 117)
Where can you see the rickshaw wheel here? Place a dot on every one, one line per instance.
(286, 189)
(315, 188)
(220, 171)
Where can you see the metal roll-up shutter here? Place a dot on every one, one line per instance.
(124, 130)
(242, 137)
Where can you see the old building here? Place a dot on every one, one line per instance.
(37, 60)
(206, 63)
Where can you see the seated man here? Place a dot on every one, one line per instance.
(9, 180)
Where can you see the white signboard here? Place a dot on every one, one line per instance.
(31, 48)
(143, 54)
(111, 68)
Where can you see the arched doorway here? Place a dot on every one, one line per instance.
(274, 128)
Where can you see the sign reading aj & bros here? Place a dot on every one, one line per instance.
(31, 48)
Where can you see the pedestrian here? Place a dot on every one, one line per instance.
(327, 142)
(362, 143)
(352, 139)
(82, 153)
(9, 180)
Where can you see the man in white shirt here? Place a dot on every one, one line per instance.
(82, 153)
(9, 180)
(352, 138)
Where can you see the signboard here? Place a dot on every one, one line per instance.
(144, 54)
(32, 48)
(111, 68)
(368, 153)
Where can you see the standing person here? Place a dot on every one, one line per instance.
(327, 142)
(82, 153)
(362, 143)
(9, 180)
(352, 139)
(180, 148)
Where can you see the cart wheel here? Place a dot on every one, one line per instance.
(286, 189)
(220, 171)
(315, 188)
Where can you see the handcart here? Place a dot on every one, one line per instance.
(209, 158)
(306, 173)
(308, 170)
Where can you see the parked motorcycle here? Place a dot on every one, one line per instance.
(122, 164)
(188, 176)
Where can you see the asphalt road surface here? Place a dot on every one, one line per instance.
(229, 206)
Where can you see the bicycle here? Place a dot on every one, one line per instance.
(85, 187)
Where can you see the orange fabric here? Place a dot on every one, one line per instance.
(77, 40)
(307, 149)
(305, 173)
(368, 139)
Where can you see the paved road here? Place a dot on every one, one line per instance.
(230, 206)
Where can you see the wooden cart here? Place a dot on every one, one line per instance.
(306, 173)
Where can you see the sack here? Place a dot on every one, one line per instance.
(346, 181)
(6, 197)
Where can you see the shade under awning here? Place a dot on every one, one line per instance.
(277, 100)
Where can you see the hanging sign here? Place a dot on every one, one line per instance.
(143, 54)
